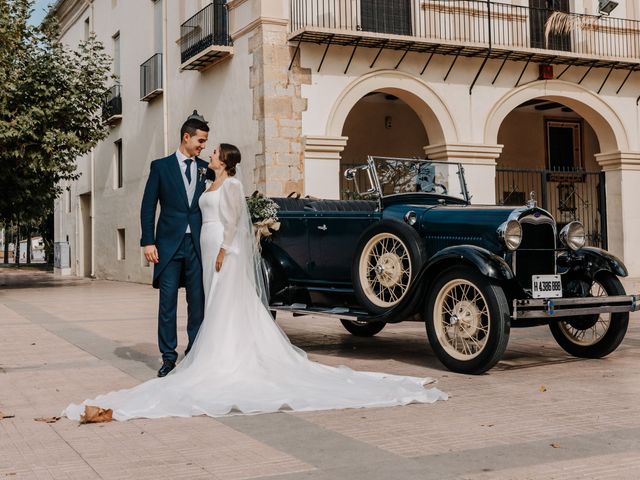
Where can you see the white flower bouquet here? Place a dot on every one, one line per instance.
(264, 215)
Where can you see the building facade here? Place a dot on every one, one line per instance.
(307, 88)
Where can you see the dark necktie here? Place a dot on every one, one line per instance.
(187, 171)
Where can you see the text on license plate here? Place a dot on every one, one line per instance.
(546, 286)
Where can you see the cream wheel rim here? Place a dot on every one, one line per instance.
(461, 319)
(385, 269)
(591, 335)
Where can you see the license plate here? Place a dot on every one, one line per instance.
(546, 286)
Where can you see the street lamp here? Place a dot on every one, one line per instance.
(605, 7)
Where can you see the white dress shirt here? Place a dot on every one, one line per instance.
(190, 188)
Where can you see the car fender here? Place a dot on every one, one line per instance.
(487, 263)
(593, 260)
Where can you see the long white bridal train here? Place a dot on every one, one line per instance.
(241, 362)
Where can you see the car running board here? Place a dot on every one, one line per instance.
(569, 307)
(299, 309)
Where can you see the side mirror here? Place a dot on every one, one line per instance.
(350, 173)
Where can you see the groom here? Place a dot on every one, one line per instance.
(176, 182)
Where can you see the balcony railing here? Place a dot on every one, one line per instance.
(112, 106)
(205, 37)
(151, 78)
(466, 27)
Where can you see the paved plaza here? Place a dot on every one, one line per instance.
(539, 414)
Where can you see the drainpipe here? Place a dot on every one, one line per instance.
(165, 86)
(92, 209)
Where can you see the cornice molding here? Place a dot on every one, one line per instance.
(618, 160)
(257, 23)
(468, 153)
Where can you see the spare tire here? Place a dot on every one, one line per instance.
(388, 256)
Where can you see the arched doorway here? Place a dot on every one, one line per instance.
(549, 149)
(380, 124)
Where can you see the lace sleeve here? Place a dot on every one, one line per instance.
(231, 206)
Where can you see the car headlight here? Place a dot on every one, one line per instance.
(572, 235)
(510, 232)
(410, 217)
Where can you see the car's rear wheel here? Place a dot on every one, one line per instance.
(594, 336)
(388, 257)
(468, 321)
(363, 329)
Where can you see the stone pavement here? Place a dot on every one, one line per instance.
(539, 414)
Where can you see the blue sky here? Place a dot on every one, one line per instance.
(39, 10)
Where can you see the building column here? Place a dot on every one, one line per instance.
(322, 166)
(622, 177)
(479, 162)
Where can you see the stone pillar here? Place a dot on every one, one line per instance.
(277, 107)
(322, 166)
(479, 162)
(622, 178)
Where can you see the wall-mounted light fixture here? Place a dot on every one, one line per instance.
(605, 7)
(388, 121)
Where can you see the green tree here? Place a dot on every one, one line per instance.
(50, 101)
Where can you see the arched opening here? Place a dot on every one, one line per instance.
(380, 124)
(549, 149)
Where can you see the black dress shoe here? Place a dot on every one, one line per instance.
(167, 366)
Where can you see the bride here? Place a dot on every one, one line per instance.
(241, 362)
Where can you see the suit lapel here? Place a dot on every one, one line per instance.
(177, 177)
(200, 182)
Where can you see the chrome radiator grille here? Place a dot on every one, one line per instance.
(536, 254)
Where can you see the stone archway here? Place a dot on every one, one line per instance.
(323, 152)
(608, 126)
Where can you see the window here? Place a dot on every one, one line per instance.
(116, 55)
(87, 28)
(386, 16)
(564, 144)
(121, 244)
(118, 174)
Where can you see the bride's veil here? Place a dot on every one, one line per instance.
(249, 248)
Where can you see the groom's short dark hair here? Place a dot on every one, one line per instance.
(191, 125)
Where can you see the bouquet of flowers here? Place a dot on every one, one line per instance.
(264, 215)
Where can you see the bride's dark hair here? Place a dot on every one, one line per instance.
(230, 156)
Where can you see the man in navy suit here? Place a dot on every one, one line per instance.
(176, 182)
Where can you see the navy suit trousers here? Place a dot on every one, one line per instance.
(186, 265)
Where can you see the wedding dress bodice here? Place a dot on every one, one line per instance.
(210, 206)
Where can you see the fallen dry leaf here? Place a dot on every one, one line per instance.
(47, 419)
(6, 415)
(543, 388)
(96, 415)
(555, 445)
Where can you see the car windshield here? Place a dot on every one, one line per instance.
(402, 175)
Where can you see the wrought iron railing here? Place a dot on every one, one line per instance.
(208, 27)
(151, 76)
(567, 194)
(112, 105)
(471, 23)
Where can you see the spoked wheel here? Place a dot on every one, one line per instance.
(467, 320)
(594, 336)
(389, 256)
(363, 329)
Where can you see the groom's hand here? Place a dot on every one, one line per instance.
(151, 253)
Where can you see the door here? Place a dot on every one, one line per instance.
(540, 11)
(85, 236)
(386, 16)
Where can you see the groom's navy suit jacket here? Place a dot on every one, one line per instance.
(165, 185)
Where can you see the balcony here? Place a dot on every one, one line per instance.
(471, 28)
(204, 38)
(112, 106)
(151, 78)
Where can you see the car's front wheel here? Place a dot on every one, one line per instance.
(594, 336)
(468, 321)
(362, 329)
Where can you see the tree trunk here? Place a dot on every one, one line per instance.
(29, 245)
(16, 249)
(7, 238)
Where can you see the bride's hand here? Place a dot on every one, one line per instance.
(219, 259)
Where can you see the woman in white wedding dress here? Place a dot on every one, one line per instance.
(241, 362)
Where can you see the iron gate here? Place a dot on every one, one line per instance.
(567, 195)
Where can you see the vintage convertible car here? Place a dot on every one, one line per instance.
(413, 247)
